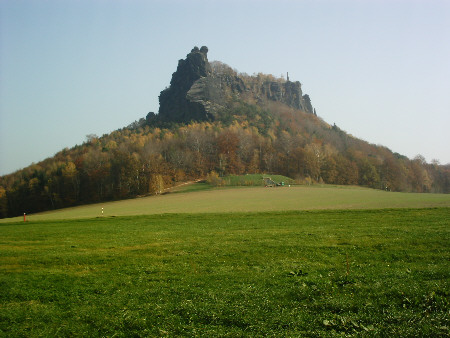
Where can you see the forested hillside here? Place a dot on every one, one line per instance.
(259, 124)
(143, 159)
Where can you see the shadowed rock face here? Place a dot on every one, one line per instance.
(198, 93)
(174, 105)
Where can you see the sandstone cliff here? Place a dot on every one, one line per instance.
(202, 91)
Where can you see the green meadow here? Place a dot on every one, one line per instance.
(241, 262)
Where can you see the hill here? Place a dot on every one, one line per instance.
(214, 120)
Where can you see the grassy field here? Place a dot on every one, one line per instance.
(201, 198)
(294, 273)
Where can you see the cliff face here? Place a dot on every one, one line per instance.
(200, 92)
(174, 103)
(289, 93)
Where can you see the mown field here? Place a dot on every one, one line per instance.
(202, 198)
(316, 273)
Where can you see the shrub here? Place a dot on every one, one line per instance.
(214, 179)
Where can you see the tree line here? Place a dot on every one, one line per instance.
(142, 159)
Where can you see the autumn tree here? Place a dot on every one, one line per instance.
(3, 203)
(347, 171)
(418, 175)
(329, 170)
(227, 143)
(96, 168)
(71, 183)
(394, 175)
(313, 160)
(368, 175)
(156, 184)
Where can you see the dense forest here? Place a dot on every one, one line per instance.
(143, 159)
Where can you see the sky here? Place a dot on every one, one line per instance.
(378, 69)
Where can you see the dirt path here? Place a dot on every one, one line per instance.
(181, 184)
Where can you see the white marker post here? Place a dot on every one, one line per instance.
(102, 211)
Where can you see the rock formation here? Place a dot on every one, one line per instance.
(174, 104)
(200, 92)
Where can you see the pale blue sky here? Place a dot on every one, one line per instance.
(379, 69)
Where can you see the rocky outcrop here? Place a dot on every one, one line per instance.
(174, 103)
(200, 92)
(289, 93)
